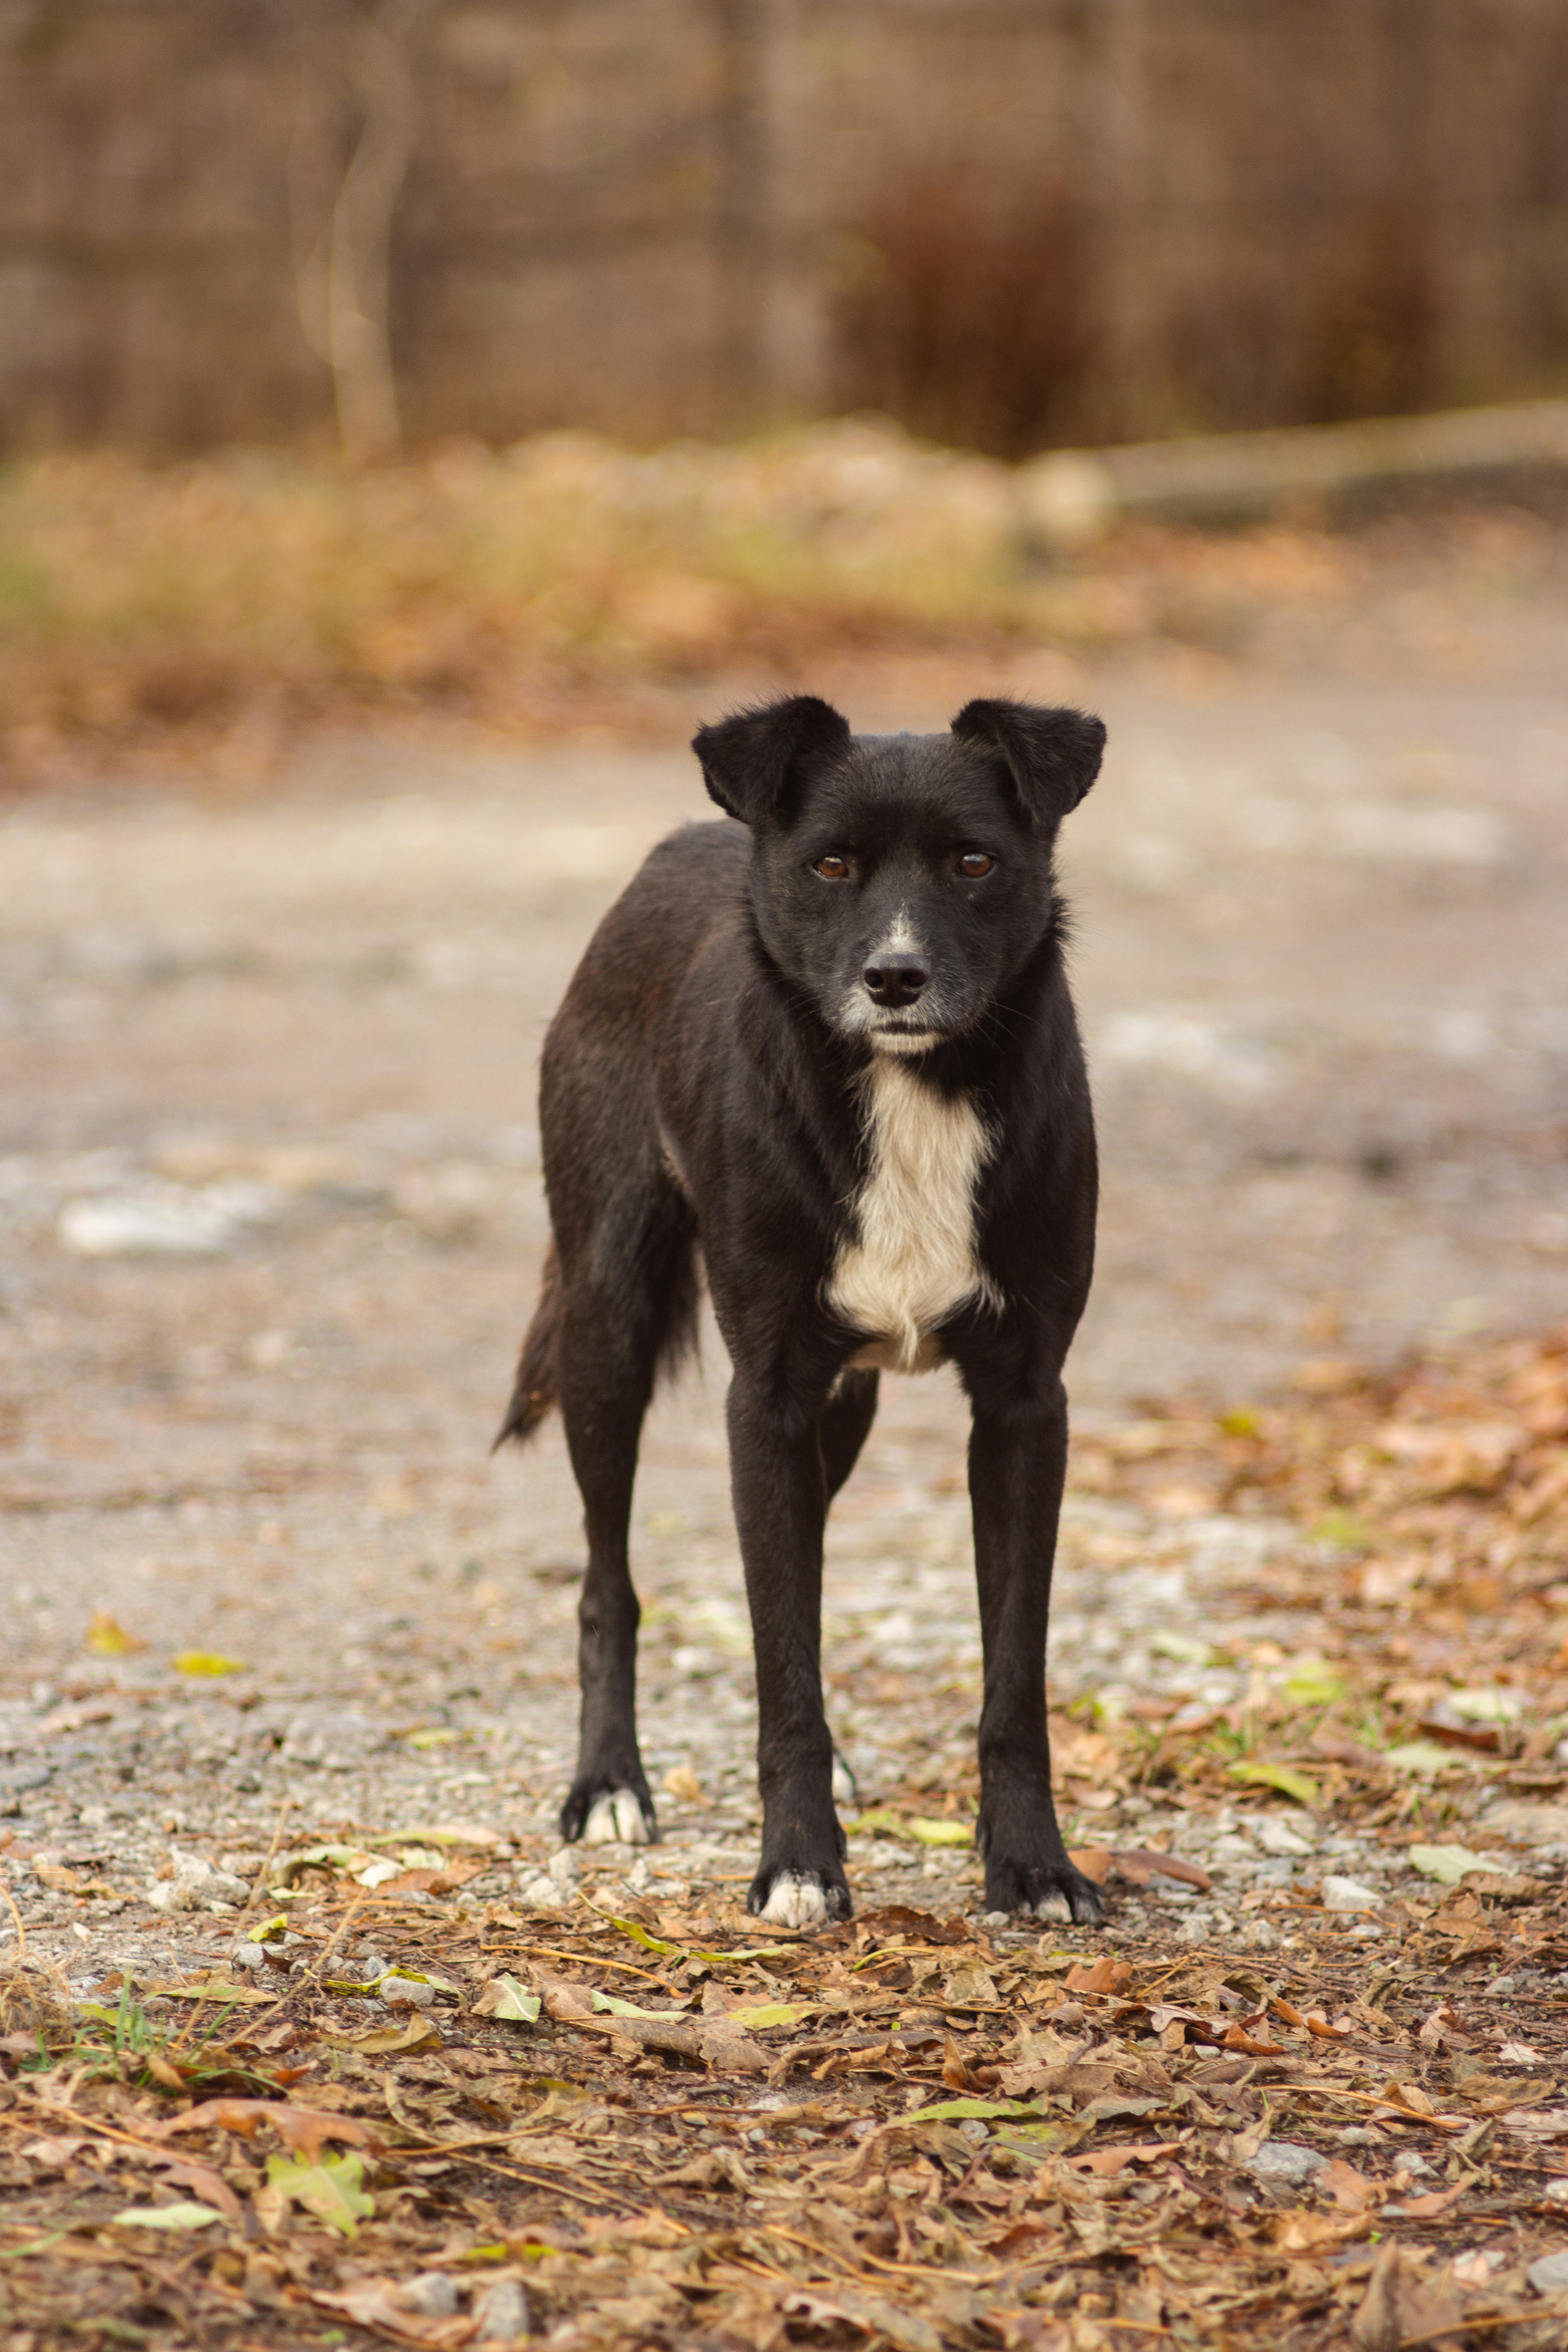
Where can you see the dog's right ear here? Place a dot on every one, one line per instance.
(750, 762)
(1053, 756)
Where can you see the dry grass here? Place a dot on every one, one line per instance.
(217, 609)
(137, 601)
(35, 1999)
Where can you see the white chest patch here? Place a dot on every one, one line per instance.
(913, 1261)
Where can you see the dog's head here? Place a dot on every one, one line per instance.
(901, 881)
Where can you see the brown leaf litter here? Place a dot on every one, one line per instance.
(923, 2129)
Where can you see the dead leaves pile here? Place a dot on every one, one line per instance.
(1426, 1522)
(1447, 1480)
(901, 2130)
(452, 2127)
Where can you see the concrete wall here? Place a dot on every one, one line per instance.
(1007, 220)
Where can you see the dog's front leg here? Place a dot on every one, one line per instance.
(781, 1502)
(1017, 1463)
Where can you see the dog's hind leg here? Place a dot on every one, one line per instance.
(612, 1334)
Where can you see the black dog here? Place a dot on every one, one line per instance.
(836, 1055)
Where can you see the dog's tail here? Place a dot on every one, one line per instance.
(536, 1391)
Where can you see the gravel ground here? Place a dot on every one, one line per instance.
(270, 1219)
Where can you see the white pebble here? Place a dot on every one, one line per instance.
(1348, 1895)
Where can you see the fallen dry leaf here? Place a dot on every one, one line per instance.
(209, 2186)
(1410, 2099)
(1105, 2162)
(303, 2130)
(381, 2304)
(1237, 2037)
(1300, 2232)
(1311, 2020)
(50, 2154)
(640, 2151)
(1099, 1977)
(1355, 2191)
(1401, 2305)
(106, 1637)
(1432, 2204)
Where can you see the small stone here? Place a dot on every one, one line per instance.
(503, 2314)
(196, 1886)
(538, 1892)
(994, 1921)
(329, 1740)
(1274, 1836)
(1526, 1822)
(1287, 2161)
(562, 1867)
(250, 1956)
(165, 1220)
(1348, 1895)
(1549, 2274)
(404, 1993)
(432, 2293)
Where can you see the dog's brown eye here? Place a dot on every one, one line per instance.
(974, 863)
(833, 868)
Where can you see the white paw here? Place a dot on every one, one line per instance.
(1054, 1906)
(615, 1819)
(797, 1901)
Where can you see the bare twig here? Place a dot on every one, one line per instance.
(339, 1936)
(360, 244)
(265, 1873)
(21, 1931)
(594, 1960)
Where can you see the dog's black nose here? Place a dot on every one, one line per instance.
(895, 979)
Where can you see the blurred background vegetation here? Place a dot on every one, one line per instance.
(343, 342)
(1003, 223)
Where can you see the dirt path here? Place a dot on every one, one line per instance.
(1325, 981)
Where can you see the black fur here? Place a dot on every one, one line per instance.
(704, 1094)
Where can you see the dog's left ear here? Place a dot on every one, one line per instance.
(751, 761)
(1052, 755)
